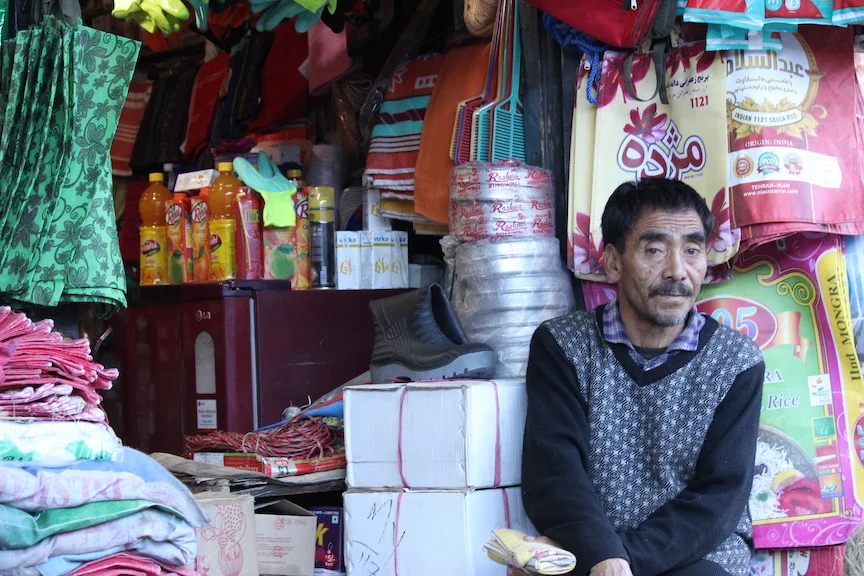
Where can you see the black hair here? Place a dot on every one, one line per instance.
(631, 198)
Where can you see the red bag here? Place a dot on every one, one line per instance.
(622, 23)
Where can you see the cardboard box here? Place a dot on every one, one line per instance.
(329, 538)
(372, 219)
(449, 432)
(821, 561)
(348, 260)
(227, 546)
(428, 533)
(367, 265)
(286, 539)
(195, 180)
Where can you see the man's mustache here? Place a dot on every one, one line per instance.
(671, 289)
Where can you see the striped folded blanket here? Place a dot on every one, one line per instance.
(395, 143)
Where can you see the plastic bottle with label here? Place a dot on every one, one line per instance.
(176, 229)
(151, 206)
(223, 224)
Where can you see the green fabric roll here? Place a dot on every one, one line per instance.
(22, 529)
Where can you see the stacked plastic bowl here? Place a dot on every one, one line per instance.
(501, 200)
(509, 277)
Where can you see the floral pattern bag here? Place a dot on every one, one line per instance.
(683, 139)
(583, 250)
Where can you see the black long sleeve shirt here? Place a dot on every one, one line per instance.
(561, 500)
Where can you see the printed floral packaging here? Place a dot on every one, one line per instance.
(824, 561)
(633, 139)
(794, 140)
(791, 298)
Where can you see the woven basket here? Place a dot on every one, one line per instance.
(480, 17)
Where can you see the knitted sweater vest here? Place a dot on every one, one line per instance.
(645, 440)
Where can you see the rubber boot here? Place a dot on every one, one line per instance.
(416, 337)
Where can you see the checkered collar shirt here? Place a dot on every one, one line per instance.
(687, 341)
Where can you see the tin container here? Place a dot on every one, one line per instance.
(322, 234)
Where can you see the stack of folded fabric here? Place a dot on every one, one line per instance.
(73, 500)
(395, 145)
(47, 377)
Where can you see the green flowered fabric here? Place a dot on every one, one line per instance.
(62, 89)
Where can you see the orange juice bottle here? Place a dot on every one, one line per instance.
(223, 225)
(154, 263)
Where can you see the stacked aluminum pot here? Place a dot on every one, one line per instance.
(508, 274)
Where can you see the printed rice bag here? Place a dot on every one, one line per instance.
(791, 298)
(747, 14)
(847, 12)
(789, 117)
(824, 561)
(799, 11)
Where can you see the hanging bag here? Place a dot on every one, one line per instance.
(621, 23)
(669, 121)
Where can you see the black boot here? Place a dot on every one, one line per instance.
(418, 337)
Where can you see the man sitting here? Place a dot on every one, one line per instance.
(643, 414)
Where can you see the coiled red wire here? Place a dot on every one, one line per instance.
(305, 438)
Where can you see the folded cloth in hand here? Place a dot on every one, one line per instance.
(510, 548)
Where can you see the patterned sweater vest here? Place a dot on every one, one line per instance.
(645, 441)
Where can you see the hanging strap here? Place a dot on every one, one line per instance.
(574, 41)
(658, 55)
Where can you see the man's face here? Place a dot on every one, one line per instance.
(662, 267)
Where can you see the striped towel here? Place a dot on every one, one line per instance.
(396, 136)
(127, 128)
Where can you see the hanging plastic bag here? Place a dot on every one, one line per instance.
(678, 133)
(583, 250)
(799, 11)
(746, 14)
(792, 165)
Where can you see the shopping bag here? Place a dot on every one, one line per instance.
(638, 137)
(794, 140)
(584, 251)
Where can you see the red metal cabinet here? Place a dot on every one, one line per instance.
(233, 356)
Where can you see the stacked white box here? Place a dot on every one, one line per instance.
(436, 466)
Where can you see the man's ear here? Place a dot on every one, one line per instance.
(612, 263)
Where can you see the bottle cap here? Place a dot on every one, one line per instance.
(157, 177)
(295, 173)
(225, 167)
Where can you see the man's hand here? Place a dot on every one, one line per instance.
(540, 539)
(612, 567)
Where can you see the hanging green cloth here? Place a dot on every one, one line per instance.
(61, 92)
